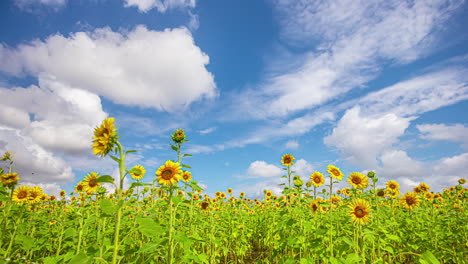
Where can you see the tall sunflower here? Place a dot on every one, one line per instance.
(358, 180)
(9, 179)
(21, 193)
(360, 211)
(392, 185)
(178, 136)
(424, 187)
(317, 179)
(409, 201)
(169, 173)
(287, 160)
(335, 172)
(105, 137)
(89, 183)
(137, 172)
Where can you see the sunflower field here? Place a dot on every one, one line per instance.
(171, 220)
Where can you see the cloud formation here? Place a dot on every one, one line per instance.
(160, 5)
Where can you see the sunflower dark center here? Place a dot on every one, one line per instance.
(22, 194)
(317, 179)
(79, 187)
(314, 207)
(392, 186)
(287, 160)
(92, 184)
(380, 193)
(167, 174)
(359, 212)
(335, 172)
(410, 200)
(356, 180)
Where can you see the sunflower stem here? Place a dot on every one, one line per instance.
(331, 218)
(118, 215)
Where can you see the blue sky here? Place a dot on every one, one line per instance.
(364, 85)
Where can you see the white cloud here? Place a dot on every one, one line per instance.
(302, 168)
(194, 22)
(355, 37)
(261, 169)
(292, 144)
(362, 139)
(164, 70)
(456, 133)
(31, 5)
(207, 131)
(161, 5)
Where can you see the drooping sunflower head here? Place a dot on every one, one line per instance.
(287, 160)
(186, 176)
(169, 173)
(424, 187)
(6, 156)
(358, 180)
(137, 172)
(380, 193)
(462, 181)
(105, 137)
(9, 179)
(409, 201)
(360, 211)
(317, 179)
(417, 189)
(21, 194)
(392, 185)
(335, 172)
(178, 136)
(89, 183)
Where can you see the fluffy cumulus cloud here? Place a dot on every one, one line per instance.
(160, 5)
(261, 169)
(302, 168)
(455, 133)
(362, 139)
(164, 70)
(348, 41)
(291, 144)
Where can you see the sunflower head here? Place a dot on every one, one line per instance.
(317, 179)
(409, 201)
(380, 193)
(229, 191)
(9, 179)
(424, 187)
(169, 173)
(21, 194)
(287, 160)
(6, 156)
(34, 195)
(178, 136)
(335, 172)
(89, 183)
(358, 180)
(137, 172)
(346, 191)
(392, 185)
(105, 137)
(360, 211)
(186, 176)
(462, 181)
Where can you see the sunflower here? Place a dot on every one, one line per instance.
(346, 191)
(360, 211)
(314, 206)
(62, 193)
(409, 201)
(358, 180)
(79, 188)
(169, 173)
(89, 183)
(317, 179)
(392, 185)
(137, 172)
(105, 137)
(9, 179)
(335, 172)
(186, 176)
(21, 193)
(241, 194)
(229, 191)
(178, 136)
(461, 181)
(393, 194)
(380, 193)
(6, 156)
(424, 187)
(34, 194)
(417, 189)
(287, 160)
(268, 193)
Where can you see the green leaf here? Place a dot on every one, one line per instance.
(105, 178)
(108, 207)
(353, 258)
(428, 258)
(186, 166)
(136, 184)
(115, 158)
(392, 237)
(174, 147)
(80, 258)
(130, 151)
(187, 155)
(149, 227)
